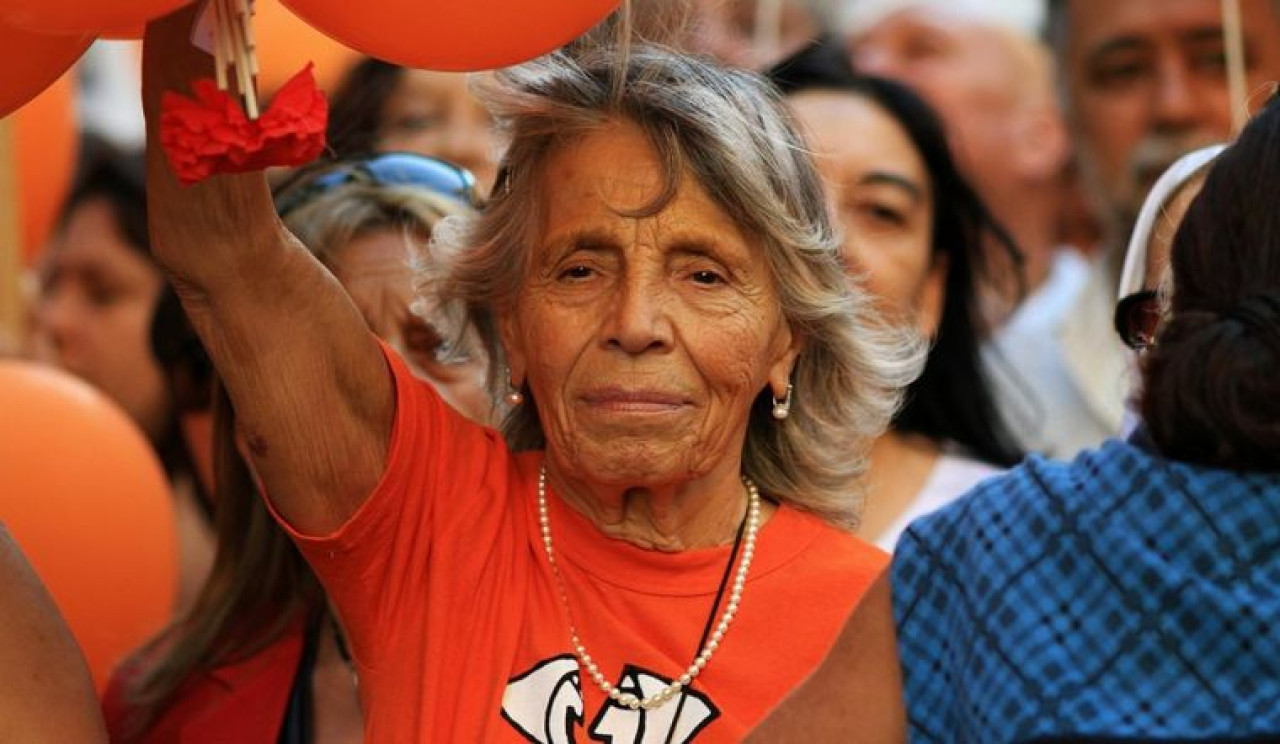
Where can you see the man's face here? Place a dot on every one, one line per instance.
(1147, 83)
(961, 67)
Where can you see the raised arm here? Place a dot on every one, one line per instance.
(312, 393)
(855, 696)
(45, 691)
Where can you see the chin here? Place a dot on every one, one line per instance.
(634, 464)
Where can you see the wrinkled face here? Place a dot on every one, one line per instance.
(882, 200)
(376, 273)
(962, 68)
(433, 113)
(1148, 83)
(645, 340)
(93, 316)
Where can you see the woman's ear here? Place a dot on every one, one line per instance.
(1040, 145)
(932, 297)
(784, 365)
(513, 344)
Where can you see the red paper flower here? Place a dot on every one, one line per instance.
(210, 134)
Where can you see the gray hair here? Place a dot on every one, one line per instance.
(329, 221)
(730, 130)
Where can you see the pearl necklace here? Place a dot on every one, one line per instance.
(672, 690)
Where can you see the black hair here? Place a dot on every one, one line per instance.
(118, 177)
(1211, 382)
(358, 105)
(952, 400)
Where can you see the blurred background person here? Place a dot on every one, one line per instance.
(98, 314)
(991, 79)
(1144, 82)
(913, 233)
(380, 107)
(260, 657)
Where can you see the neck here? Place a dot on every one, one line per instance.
(700, 513)
(1032, 227)
(1033, 231)
(900, 465)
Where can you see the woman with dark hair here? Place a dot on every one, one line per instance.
(1132, 594)
(913, 233)
(381, 107)
(100, 315)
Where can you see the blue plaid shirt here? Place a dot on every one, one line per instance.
(1118, 595)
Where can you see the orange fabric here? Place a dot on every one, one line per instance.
(460, 634)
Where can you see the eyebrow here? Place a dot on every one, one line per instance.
(885, 178)
(1202, 35)
(586, 239)
(1136, 43)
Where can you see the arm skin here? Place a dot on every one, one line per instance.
(856, 694)
(312, 393)
(45, 691)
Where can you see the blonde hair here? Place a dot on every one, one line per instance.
(732, 133)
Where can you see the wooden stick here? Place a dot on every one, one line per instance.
(12, 317)
(1233, 38)
(219, 51)
(243, 83)
(226, 37)
(251, 40)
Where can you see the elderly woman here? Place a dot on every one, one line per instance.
(657, 550)
(1129, 595)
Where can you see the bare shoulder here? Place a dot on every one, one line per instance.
(45, 691)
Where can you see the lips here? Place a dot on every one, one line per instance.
(634, 401)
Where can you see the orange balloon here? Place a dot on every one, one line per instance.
(45, 146)
(32, 62)
(285, 44)
(85, 498)
(457, 35)
(114, 18)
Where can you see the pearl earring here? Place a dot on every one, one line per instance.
(514, 396)
(782, 408)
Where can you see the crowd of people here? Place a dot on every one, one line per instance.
(906, 373)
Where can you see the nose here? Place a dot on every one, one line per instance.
(466, 143)
(638, 321)
(57, 323)
(871, 58)
(1177, 106)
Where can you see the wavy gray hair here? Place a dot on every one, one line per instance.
(729, 129)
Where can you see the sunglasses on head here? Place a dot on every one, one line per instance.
(390, 169)
(1137, 319)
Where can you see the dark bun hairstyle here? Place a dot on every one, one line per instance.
(1211, 383)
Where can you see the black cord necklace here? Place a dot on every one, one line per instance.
(711, 619)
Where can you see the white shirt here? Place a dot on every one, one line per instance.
(952, 477)
(1058, 370)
